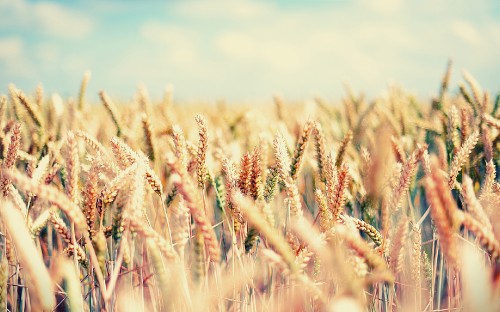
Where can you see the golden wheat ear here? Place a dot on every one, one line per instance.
(201, 166)
(443, 212)
(300, 149)
(83, 90)
(112, 110)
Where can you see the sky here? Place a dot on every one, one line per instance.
(248, 49)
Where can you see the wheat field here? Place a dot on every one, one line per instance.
(383, 204)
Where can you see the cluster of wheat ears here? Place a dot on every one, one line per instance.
(382, 205)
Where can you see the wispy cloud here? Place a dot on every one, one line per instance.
(59, 21)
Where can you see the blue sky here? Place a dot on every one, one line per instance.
(247, 50)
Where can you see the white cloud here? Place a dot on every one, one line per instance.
(277, 54)
(13, 60)
(59, 21)
(179, 43)
(224, 9)
(466, 32)
(383, 6)
(47, 17)
(48, 54)
(10, 47)
(257, 46)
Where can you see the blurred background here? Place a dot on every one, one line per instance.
(247, 50)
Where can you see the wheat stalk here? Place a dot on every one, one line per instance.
(37, 277)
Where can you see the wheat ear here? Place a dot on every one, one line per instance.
(72, 168)
(111, 109)
(32, 112)
(461, 157)
(180, 146)
(489, 179)
(325, 216)
(443, 212)
(65, 234)
(487, 143)
(282, 158)
(272, 236)
(343, 148)
(50, 194)
(398, 150)
(83, 89)
(300, 148)
(319, 139)
(245, 173)
(336, 203)
(476, 89)
(127, 156)
(201, 159)
(4, 278)
(230, 174)
(483, 234)
(92, 142)
(464, 125)
(148, 137)
(445, 81)
(398, 242)
(366, 228)
(10, 159)
(195, 205)
(473, 205)
(356, 243)
(493, 122)
(90, 196)
(256, 175)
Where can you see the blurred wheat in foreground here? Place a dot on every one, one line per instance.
(383, 205)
